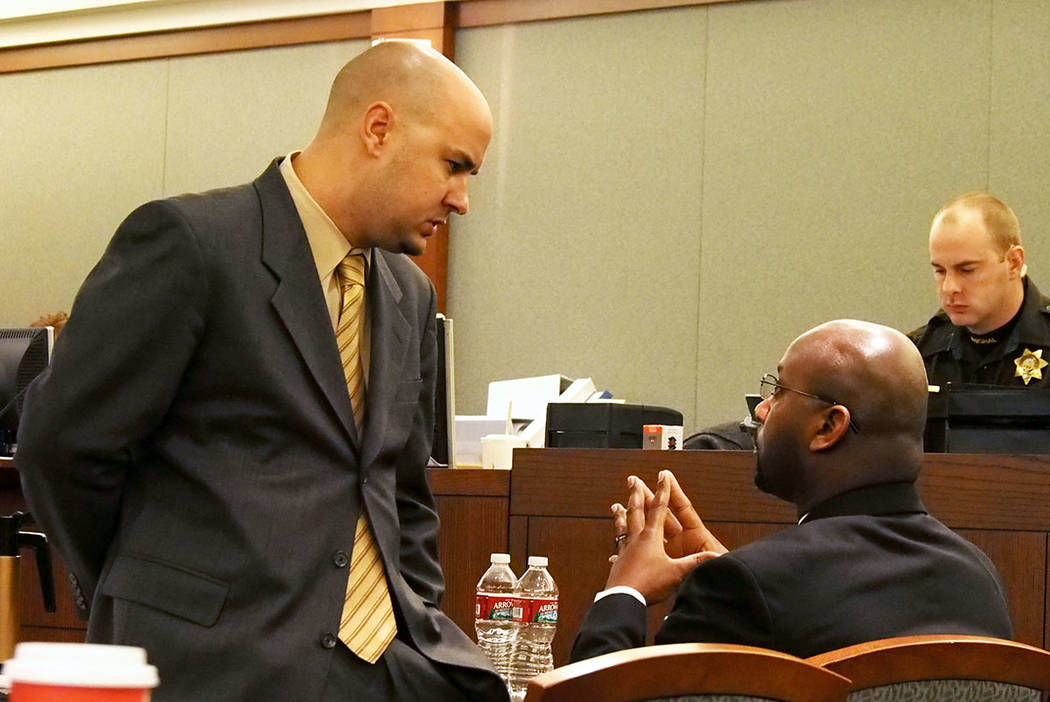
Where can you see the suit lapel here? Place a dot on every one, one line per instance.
(388, 332)
(299, 300)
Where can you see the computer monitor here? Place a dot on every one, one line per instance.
(24, 353)
(970, 418)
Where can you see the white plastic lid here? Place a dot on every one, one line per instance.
(81, 665)
(538, 561)
(501, 558)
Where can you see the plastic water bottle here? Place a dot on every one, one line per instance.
(532, 651)
(497, 613)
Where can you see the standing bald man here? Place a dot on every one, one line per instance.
(840, 437)
(228, 428)
(994, 324)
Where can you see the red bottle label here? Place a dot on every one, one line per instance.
(541, 609)
(499, 607)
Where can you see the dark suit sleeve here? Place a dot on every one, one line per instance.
(116, 367)
(720, 602)
(416, 508)
(613, 623)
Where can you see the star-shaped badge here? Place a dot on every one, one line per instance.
(1030, 365)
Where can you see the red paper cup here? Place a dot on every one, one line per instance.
(57, 672)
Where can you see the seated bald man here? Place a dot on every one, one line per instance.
(840, 437)
(994, 324)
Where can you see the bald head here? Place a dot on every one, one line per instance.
(850, 411)
(874, 370)
(416, 81)
(1000, 222)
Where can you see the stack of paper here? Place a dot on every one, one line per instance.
(580, 390)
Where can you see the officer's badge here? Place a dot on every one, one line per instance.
(1030, 365)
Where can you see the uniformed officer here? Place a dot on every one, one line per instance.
(994, 324)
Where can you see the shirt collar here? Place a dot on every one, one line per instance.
(873, 500)
(1031, 328)
(1028, 329)
(327, 243)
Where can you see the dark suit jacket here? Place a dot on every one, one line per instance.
(865, 565)
(192, 454)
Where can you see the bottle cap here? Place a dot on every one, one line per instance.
(500, 558)
(538, 561)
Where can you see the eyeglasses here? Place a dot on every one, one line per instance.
(770, 384)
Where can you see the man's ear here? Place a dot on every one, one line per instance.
(1015, 259)
(834, 423)
(376, 125)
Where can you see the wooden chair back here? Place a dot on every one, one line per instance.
(695, 670)
(910, 659)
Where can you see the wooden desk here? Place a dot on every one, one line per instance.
(555, 503)
(38, 625)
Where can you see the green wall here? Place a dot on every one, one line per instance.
(678, 194)
(84, 146)
(670, 197)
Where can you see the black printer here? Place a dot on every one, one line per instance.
(603, 424)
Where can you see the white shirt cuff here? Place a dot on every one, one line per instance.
(621, 590)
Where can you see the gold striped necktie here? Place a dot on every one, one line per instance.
(367, 623)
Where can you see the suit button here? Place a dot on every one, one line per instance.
(364, 481)
(340, 559)
(328, 641)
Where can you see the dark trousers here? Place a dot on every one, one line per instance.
(401, 674)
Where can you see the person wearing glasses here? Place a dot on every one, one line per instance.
(839, 435)
(994, 324)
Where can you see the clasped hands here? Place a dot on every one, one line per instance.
(659, 538)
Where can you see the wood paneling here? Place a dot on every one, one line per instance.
(1020, 558)
(37, 624)
(473, 509)
(1046, 602)
(519, 543)
(988, 492)
(490, 483)
(185, 42)
(581, 482)
(404, 18)
(482, 13)
(471, 529)
(31, 602)
(578, 551)
(389, 21)
(35, 633)
(962, 490)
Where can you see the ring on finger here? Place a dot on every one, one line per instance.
(619, 538)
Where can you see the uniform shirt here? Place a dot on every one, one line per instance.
(951, 355)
